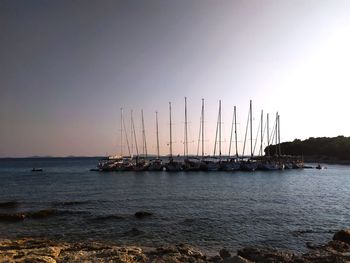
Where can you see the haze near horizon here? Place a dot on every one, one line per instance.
(67, 67)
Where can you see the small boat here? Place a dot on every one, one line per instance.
(319, 167)
(37, 169)
(249, 166)
(155, 165)
(230, 165)
(192, 164)
(173, 166)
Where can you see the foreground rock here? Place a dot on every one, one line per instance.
(35, 250)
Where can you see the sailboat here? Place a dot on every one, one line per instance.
(190, 163)
(250, 164)
(172, 165)
(232, 164)
(156, 164)
(214, 163)
(141, 163)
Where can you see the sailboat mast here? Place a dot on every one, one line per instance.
(131, 134)
(134, 134)
(261, 135)
(220, 128)
(121, 131)
(276, 131)
(217, 128)
(186, 136)
(235, 115)
(251, 128)
(268, 135)
(126, 136)
(157, 135)
(170, 143)
(202, 128)
(229, 148)
(279, 136)
(144, 135)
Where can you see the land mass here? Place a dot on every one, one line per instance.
(321, 149)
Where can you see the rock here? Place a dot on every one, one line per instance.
(15, 217)
(142, 214)
(342, 235)
(236, 259)
(189, 251)
(39, 259)
(215, 259)
(9, 204)
(339, 246)
(224, 253)
(266, 255)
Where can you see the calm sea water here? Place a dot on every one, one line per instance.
(282, 209)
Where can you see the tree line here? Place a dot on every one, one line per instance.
(332, 147)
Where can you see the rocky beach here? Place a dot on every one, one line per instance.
(41, 250)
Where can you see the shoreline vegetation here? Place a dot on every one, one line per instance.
(49, 251)
(332, 150)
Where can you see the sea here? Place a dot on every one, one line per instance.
(209, 210)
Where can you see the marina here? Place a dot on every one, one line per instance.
(202, 162)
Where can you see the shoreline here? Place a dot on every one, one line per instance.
(43, 250)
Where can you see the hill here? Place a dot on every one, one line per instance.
(330, 148)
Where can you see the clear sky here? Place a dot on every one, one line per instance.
(67, 67)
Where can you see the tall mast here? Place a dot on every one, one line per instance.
(276, 131)
(251, 128)
(217, 128)
(220, 128)
(171, 143)
(157, 135)
(229, 148)
(202, 128)
(186, 136)
(279, 136)
(261, 135)
(268, 135)
(131, 134)
(126, 135)
(235, 115)
(121, 131)
(134, 134)
(144, 135)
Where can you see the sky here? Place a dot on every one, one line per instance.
(68, 67)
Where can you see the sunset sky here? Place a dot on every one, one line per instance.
(67, 67)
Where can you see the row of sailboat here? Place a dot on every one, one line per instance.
(217, 162)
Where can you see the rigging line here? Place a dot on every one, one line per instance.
(134, 133)
(246, 131)
(263, 135)
(257, 135)
(126, 137)
(229, 148)
(199, 136)
(216, 134)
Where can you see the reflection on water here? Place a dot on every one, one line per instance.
(283, 209)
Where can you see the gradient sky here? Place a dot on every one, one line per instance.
(67, 67)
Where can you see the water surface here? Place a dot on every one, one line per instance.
(210, 210)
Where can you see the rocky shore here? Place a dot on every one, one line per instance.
(40, 250)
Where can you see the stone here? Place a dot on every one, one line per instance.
(266, 255)
(342, 235)
(224, 253)
(142, 214)
(236, 259)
